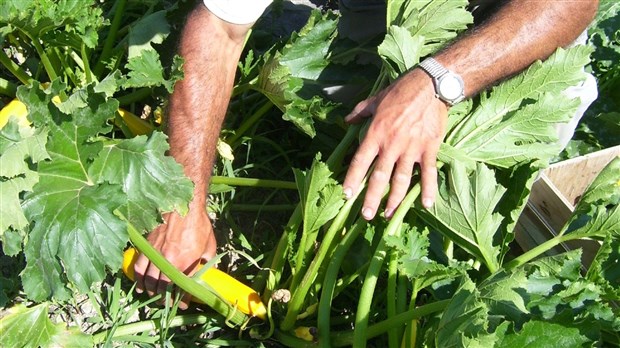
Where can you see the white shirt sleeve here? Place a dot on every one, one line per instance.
(237, 11)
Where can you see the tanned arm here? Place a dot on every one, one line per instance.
(211, 49)
(409, 122)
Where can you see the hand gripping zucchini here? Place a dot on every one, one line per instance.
(228, 288)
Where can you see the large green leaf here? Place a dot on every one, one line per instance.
(465, 211)
(145, 176)
(514, 122)
(400, 50)
(414, 262)
(464, 322)
(19, 146)
(74, 235)
(435, 21)
(543, 334)
(60, 23)
(289, 75)
(321, 199)
(320, 194)
(31, 327)
(145, 70)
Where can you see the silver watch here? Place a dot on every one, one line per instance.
(449, 86)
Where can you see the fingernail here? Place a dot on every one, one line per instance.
(367, 213)
(347, 192)
(388, 213)
(427, 203)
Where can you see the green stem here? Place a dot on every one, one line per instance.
(401, 299)
(298, 295)
(279, 257)
(14, 69)
(346, 280)
(330, 279)
(7, 88)
(181, 280)
(411, 333)
(47, 64)
(391, 297)
(340, 339)
(366, 295)
(253, 182)
(539, 250)
(250, 121)
(111, 38)
(87, 72)
(370, 282)
(333, 162)
(150, 325)
(67, 69)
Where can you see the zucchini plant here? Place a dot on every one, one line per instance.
(448, 276)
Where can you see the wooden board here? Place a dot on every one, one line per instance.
(553, 199)
(572, 177)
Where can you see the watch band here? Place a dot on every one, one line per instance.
(449, 87)
(433, 68)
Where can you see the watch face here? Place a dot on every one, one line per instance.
(450, 87)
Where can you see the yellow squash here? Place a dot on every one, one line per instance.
(135, 124)
(233, 291)
(17, 109)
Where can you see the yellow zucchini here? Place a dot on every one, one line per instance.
(135, 124)
(17, 109)
(233, 291)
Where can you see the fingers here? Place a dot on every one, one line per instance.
(401, 179)
(377, 184)
(154, 282)
(429, 178)
(359, 166)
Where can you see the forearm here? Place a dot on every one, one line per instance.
(211, 50)
(521, 32)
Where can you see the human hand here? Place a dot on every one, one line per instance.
(184, 241)
(408, 127)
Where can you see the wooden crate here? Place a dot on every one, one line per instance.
(553, 199)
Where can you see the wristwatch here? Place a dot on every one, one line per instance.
(449, 86)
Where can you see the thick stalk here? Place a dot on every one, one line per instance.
(366, 295)
(298, 295)
(401, 300)
(340, 339)
(250, 121)
(14, 69)
(279, 257)
(411, 332)
(253, 182)
(150, 325)
(367, 292)
(540, 249)
(87, 73)
(7, 88)
(47, 64)
(393, 337)
(307, 239)
(329, 282)
(111, 38)
(184, 282)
